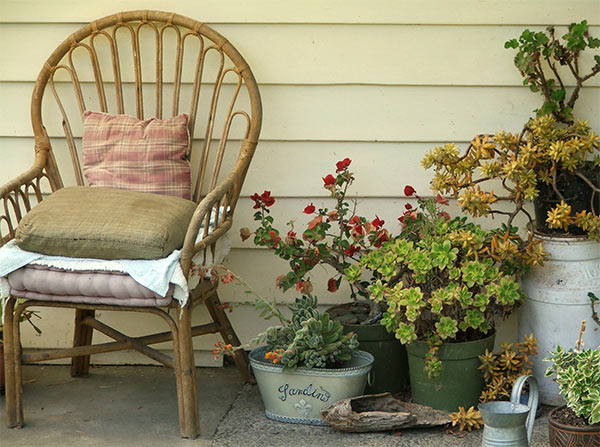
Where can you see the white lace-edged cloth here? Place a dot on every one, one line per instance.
(155, 274)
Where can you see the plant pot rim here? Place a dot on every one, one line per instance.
(451, 350)
(592, 429)
(364, 362)
(556, 237)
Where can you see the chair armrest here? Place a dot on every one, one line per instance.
(215, 207)
(14, 199)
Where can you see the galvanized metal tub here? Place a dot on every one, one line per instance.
(298, 396)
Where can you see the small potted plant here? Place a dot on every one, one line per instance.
(577, 373)
(337, 238)
(554, 162)
(305, 363)
(444, 281)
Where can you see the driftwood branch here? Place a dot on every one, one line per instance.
(381, 412)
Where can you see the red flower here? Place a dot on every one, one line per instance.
(357, 232)
(275, 239)
(409, 190)
(332, 215)
(445, 215)
(342, 165)
(256, 199)
(225, 279)
(304, 287)
(290, 238)
(382, 236)
(377, 222)
(267, 199)
(316, 221)
(264, 199)
(329, 180)
(350, 251)
(332, 285)
(355, 220)
(309, 209)
(408, 206)
(441, 200)
(278, 280)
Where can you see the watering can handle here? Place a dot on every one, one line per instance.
(532, 402)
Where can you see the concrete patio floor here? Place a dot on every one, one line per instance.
(137, 406)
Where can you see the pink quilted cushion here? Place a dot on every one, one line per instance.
(127, 153)
(38, 282)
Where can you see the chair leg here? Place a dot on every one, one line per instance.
(80, 365)
(18, 370)
(240, 357)
(9, 365)
(190, 428)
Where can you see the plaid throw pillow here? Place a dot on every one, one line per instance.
(127, 153)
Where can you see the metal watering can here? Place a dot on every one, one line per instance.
(510, 423)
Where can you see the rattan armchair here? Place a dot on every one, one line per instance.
(169, 58)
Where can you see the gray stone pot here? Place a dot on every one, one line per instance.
(298, 396)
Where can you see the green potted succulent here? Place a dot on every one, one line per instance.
(303, 364)
(577, 373)
(554, 162)
(337, 238)
(444, 281)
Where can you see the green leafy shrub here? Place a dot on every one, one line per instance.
(577, 373)
(443, 279)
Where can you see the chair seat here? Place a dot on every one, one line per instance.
(105, 223)
(89, 287)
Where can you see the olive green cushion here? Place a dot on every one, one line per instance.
(105, 223)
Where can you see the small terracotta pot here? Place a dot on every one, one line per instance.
(562, 435)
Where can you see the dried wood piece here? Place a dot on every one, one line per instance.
(381, 412)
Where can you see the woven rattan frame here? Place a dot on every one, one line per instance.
(216, 199)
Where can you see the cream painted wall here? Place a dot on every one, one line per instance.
(380, 82)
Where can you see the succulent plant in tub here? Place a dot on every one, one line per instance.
(306, 362)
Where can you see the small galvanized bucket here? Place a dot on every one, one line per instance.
(298, 396)
(510, 424)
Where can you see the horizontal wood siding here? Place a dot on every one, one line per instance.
(381, 82)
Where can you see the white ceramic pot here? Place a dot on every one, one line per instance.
(299, 396)
(557, 302)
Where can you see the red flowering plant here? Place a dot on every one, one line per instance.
(336, 237)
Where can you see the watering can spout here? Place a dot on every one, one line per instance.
(511, 423)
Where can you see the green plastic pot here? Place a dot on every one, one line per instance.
(460, 383)
(390, 369)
